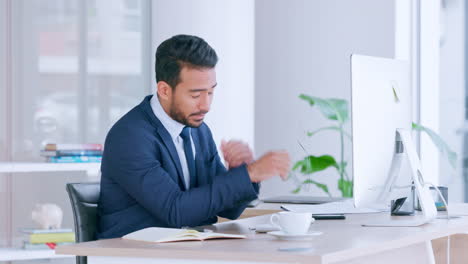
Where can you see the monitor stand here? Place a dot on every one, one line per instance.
(405, 144)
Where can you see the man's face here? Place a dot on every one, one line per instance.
(191, 98)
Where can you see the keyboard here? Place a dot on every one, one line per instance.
(345, 207)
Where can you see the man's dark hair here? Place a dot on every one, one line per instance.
(182, 51)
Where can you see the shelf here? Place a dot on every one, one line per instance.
(13, 167)
(13, 254)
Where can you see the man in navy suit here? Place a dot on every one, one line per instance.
(161, 166)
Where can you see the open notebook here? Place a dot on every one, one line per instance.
(162, 235)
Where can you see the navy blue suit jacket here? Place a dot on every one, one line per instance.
(142, 182)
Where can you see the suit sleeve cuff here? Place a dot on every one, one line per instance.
(250, 189)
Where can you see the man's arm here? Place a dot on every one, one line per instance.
(235, 211)
(141, 175)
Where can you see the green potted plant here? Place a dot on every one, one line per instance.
(337, 111)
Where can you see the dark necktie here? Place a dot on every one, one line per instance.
(185, 135)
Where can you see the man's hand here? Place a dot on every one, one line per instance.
(236, 153)
(269, 165)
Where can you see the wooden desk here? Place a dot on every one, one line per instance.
(341, 242)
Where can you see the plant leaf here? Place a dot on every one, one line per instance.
(439, 143)
(333, 109)
(341, 107)
(298, 164)
(297, 190)
(319, 185)
(312, 164)
(336, 128)
(346, 187)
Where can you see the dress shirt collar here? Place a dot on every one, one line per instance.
(173, 127)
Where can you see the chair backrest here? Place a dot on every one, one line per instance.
(84, 198)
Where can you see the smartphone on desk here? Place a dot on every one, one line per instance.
(323, 216)
(329, 216)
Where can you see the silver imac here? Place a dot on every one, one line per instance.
(385, 162)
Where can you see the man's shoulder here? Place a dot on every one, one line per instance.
(205, 138)
(204, 132)
(132, 135)
(133, 123)
(203, 128)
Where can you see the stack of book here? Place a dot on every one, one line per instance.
(66, 153)
(47, 238)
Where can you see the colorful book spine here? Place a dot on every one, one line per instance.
(51, 238)
(54, 147)
(46, 231)
(75, 159)
(76, 152)
(42, 246)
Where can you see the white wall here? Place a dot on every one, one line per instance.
(3, 197)
(2, 76)
(3, 84)
(304, 47)
(452, 93)
(228, 26)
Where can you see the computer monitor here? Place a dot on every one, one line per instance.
(385, 163)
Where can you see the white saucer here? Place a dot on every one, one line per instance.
(284, 236)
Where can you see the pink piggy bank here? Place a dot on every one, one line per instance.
(48, 216)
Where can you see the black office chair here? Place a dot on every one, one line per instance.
(84, 198)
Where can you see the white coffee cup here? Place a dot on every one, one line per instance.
(292, 223)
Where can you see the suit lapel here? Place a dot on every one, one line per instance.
(167, 140)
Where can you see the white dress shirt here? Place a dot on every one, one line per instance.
(174, 128)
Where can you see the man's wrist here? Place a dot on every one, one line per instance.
(251, 171)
